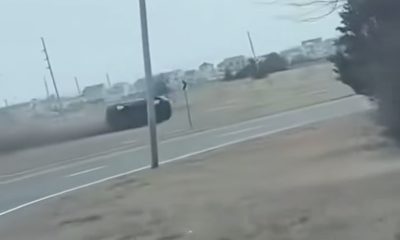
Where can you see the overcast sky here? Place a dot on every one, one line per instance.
(88, 38)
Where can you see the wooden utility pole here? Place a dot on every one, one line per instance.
(46, 87)
(78, 88)
(108, 80)
(51, 73)
(252, 46)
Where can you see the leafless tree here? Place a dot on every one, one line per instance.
(320, 8)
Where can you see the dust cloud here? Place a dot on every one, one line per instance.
(18, 133)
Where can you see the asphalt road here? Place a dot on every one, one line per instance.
(27, 188)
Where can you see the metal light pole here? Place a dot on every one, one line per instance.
(151, 116)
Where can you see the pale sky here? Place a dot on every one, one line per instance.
(88, 38)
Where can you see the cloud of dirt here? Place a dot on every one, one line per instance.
(21, 134)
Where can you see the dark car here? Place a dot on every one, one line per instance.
(134, 114)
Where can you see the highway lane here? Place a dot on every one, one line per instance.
(35, 187)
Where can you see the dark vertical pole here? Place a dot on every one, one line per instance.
(5, 102)
(189, 114)
(46, 87)
(151, 118)
(252, 46)
(51, 73)
(253, 51)
(108, 80)
(78, 88)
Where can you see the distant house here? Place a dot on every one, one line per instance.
(191, 76)
(118, 91)
(207, 72)
(174, 78)
(318, 48)
(312, 49)
(140, 85)
(206, 67)
(293, 53)
(330, 46)
(233, 64)
(95, 93)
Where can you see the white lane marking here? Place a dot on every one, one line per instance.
(220, 108)
(72, 161)
(240, 131)
(88, 159)
(86, 171)
(62, 167)
(6, 212)
(264, 118)
(129, 142)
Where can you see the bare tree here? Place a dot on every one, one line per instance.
(318, 8)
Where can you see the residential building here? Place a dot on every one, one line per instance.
(318, 48)
(95, 93)
(293, 53)
(191, 76)
(118, 91)
(207, 72)
(233, 64)
(312, 49)
(173, 78)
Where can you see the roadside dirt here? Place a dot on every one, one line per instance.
(333, 180)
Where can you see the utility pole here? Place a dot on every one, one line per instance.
(78, 88)
(253, 51)
(46, 87)
(151, 115)
(189, 115)
(252, 46)
(108, 80)
(51, 73)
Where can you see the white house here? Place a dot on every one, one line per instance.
(94, 93)
(319, 48)
(174, 78)
(207, 72)
(191, 76)
(233, 64)
(118, 91)
(292, 53)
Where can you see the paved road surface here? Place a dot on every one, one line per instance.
(32, 187)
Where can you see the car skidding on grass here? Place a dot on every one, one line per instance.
(133, 114)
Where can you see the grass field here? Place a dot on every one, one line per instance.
(213, 104)
(221, 103)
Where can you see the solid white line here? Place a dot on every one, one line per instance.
(62, 167)
(220, 108)
(88, 159)
(86, 171)
(70, 162)
(263, 118)
(147, 167)
(240, 131)
(128, 142)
